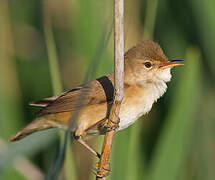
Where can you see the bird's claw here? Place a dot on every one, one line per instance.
(114, 125)
(102, 173)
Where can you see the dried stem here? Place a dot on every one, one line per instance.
(118, 84)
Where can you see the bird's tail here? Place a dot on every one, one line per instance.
(39, 124)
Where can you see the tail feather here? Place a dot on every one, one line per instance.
(38, 124)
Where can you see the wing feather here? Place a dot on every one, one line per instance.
(94, 92)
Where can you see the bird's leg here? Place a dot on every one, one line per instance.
(106, 169)
(81, 141)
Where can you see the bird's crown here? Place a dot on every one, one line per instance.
(146, 50)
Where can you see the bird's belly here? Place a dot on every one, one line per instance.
(130, 115)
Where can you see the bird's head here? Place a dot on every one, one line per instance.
(147, 63)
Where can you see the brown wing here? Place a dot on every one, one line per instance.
(94, 92)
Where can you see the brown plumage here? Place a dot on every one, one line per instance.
(143, 86)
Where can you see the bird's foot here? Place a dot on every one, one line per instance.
(102, 173)
(113, 125)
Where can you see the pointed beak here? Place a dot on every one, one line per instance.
(171, 63)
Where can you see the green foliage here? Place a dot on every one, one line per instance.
(47, 45)
(173, 145)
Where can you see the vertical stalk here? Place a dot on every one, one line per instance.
(118, 85)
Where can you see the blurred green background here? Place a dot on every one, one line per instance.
(49, 46)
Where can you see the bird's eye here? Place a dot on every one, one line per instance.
(148, 64)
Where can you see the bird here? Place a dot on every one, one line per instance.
(146, 73)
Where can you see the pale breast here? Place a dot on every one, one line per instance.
(129, 116)
(138, 101)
